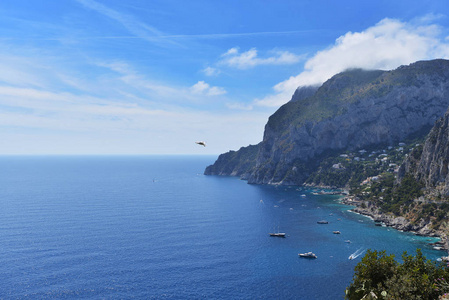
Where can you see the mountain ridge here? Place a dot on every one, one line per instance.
(352, 110)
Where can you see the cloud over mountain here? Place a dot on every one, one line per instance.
(386, 45)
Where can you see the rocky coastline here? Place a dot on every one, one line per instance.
(401, 223)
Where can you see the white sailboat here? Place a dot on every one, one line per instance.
(277, 234)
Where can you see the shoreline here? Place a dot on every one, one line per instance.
(399, 223)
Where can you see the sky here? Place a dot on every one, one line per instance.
(143, 77)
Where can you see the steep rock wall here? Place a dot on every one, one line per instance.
(411, 98)
(350, 111)
(432, 165)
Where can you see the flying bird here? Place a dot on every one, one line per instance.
(201, 143)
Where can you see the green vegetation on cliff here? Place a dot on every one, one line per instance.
(348, 169)
(372, 179)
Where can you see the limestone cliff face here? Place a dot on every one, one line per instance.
(350, 111)
(431, 164)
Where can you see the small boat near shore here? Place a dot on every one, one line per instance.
(323, 222)
(307, 255)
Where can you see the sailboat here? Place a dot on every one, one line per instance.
(278, 234)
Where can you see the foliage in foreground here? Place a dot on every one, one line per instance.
(380, 276)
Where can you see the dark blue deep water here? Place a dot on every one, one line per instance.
(154, 227)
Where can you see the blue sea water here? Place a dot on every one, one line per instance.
(154, 227)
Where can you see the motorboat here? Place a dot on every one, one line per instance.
(278, 234)
(307, 255)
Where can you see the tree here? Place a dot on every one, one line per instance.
(379, 276)
(371, 274)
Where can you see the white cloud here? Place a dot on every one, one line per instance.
(203, 88)
(249, 59)
(232, 51)
(387, 45)
(209, 71)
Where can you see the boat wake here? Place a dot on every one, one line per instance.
(356, 254)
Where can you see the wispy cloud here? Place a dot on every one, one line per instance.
(66, 122)
(210, 71)
(242, 34)
(139, 30)
(387, 45)
(136, 27)
(210, 36)
(250, 58)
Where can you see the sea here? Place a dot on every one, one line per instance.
(155, 227)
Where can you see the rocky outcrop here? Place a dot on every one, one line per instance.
(352, 110)
(234, 163)
(422, 227)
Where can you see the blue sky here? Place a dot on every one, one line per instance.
(153, 77)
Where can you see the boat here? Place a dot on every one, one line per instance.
(277, 234)
(323, 222)
(336, 232)
(348, 241)
(307, 255)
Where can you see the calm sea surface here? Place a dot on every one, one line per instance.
(154, 227)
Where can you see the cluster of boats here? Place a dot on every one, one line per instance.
(306, 254)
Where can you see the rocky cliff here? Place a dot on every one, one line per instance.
(235, 163)
(429, 163)
(350, 111)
